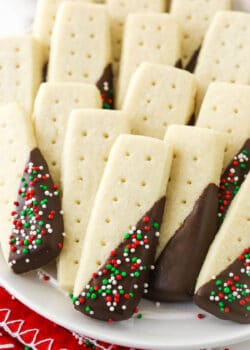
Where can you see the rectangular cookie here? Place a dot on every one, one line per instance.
(224, 53)
(118, 12)
(53, 106)
(45, 17)
(195, 17)
(125, 221)
(21, 70)
(81, 48)
(190, 217)
(31, 218)
(17, 140)
(223, 287)
(88, 141)
(226, 108)
(155, 38)
(158, 96)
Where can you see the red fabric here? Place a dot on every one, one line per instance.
(20, 326)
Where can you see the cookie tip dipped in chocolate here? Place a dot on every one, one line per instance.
(37, 232)
(116, 289)
(223, 286)
(227, 296)
(190, 244)
(232, 179)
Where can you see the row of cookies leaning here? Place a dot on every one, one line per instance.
(113, 213)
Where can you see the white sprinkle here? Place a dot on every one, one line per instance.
(112, 309)
(135, 286)
(152, 267)
(91, 312)
(77, 302)
(124, 307)
(157, 304)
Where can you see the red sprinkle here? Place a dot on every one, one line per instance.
(200, 316)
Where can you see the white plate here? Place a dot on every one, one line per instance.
(170, 327)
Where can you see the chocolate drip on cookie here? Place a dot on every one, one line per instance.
(118, 286)
(106, 87)
(190, 67)
(232, 179)
(179, 264)
(227, 296)
(37, 233)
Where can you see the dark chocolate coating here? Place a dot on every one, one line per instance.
(190, 67)
(106, 87)
(228, 189)
(51, 243)
(178, 64)
(99, 303)
(238, 313)
(179, 264)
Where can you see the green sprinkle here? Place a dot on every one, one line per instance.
(91, 289)
(26, 251)
(41, 223)
(105, 281)
(108, 266)
(126, 250)
(122, 292)
(134, 259)
(93, 296)
(139, 316)
(137, 273)
(27, 225)
(221, 304)
(213, 293)
(131, 295)
(127, 235)
(218, 283)
(88, 295)
(139, 236)
(87, 309)
(13, 240)
(26, 242)
(226, 290)
(243, 166)
(38, 241)
(22, 179)
(156, 225)
(245, 152)
(124, 274)
(248, 308)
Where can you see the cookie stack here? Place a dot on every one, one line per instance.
(125, 153)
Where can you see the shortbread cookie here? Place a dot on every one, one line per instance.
(226, 108)
(224, 53)
(17, 138)
(81, 47)
(155, 38)
(34, 234)
(21, 66)
(190, 217)
(159, 95)
(53, 106)
(223, 287)
(118, 12)
(89, 138)
(115, 265)
(45, 17)
(195, 17)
